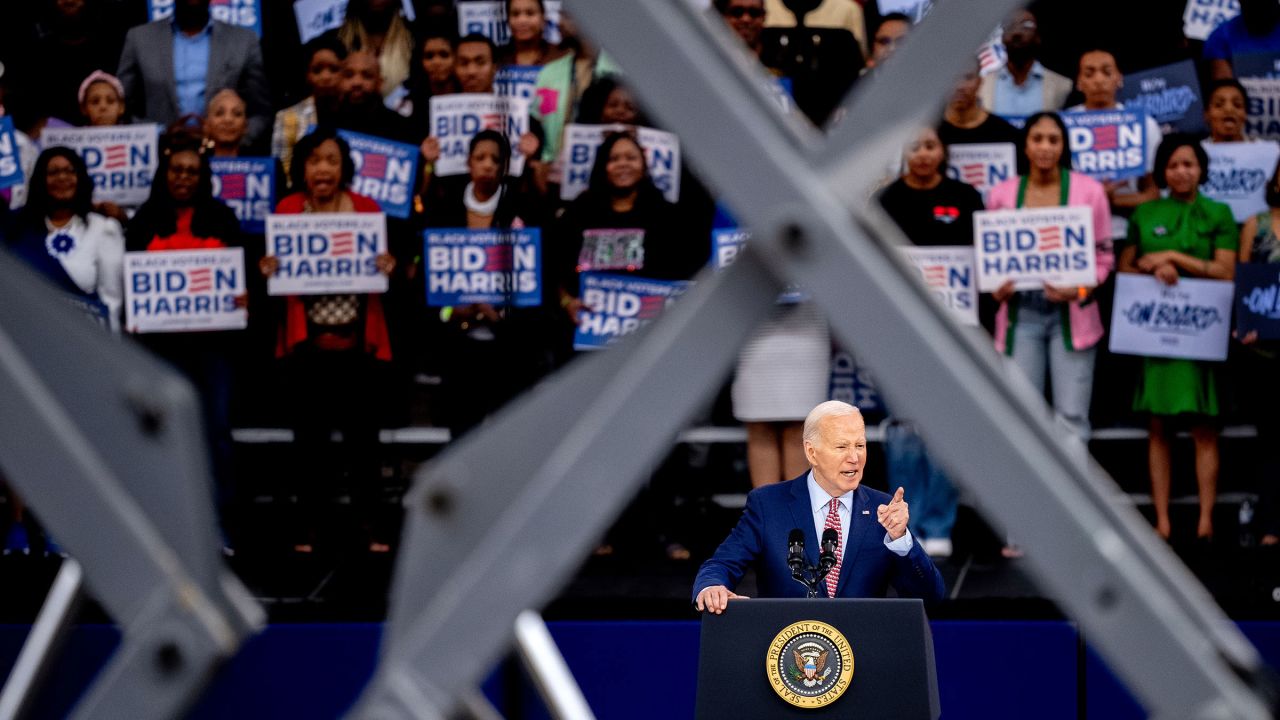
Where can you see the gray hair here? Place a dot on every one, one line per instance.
(830, 408)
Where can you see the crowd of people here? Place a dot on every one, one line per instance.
(342, 361)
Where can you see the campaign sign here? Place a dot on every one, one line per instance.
(247, 186)
(617, 305)
(10, 162)
(1170, 94)
(385, 171)
(982, 165)
(321, 253)
(1034, 246)
(1202, 17)
(241, 13)
(852, 383)
(1238, 175)
(184, 290)
(516, 81)
(661, 155)
(498, 267)
(1190, 320)
(948, 273)
(489, 18)
(1263, 121)
(316, 17)
(455, 119)
(914, 9)
(122, 159)
(726, 243)
(1108, 144)
(1258, 299)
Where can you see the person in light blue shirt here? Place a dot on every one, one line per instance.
(1023, 86)
(191, 66)
(169, 68)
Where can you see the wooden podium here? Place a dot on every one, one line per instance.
(827, 658)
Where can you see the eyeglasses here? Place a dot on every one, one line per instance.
(738, 12)
(1020, 25)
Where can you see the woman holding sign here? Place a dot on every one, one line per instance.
(493, 350)
(334, 349)
(1183, 235)
(1054, 330)
(182, 214)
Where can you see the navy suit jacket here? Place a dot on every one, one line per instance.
(867, 569)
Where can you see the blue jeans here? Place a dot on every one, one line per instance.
(1039, 349)
(931, 498)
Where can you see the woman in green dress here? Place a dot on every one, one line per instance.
(1182, 235)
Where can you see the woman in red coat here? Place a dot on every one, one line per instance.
(335, 351)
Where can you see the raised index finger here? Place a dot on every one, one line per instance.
(897, 496)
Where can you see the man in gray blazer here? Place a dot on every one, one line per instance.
(170, 68)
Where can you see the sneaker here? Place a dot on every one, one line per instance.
(17, 543)
(937, 547)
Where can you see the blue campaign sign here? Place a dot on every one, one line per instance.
(385, 171)
(247, 186)
(1170, 94)
(852, 383)
(726, 243)
(516, 80)
(241, 13)
(1258, 299)
(1108, 144)
(10, 163)
(617, 305)
(498, 267)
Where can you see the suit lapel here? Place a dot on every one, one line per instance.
(164, 43)
(802, 516)
(217, 58)
(859, 526)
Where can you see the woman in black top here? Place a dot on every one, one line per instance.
(620, 225)
(488, 353)
(931, 208)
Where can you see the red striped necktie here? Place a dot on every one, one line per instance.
(833, 523)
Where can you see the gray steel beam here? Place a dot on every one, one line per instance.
(104, 443)
(1147, 615)
(499, 522)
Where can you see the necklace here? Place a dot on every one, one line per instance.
(476, 205)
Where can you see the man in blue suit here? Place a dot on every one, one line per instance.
(875, 548)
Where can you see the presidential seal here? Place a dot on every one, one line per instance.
(809, 664)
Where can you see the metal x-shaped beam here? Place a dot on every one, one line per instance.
(105, 443)
(499, 522)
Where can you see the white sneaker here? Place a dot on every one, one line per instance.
(937, 547)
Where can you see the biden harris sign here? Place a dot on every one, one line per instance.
(184, 290)
(1035, 246)
(325, 253)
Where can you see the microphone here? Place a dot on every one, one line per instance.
(827, 558)
(795, 550)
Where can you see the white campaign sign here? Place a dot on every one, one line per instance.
(982, 165)
(1238, 174)
(1190, 320)
(948, 273)
(184, 290)
(1202, 16)
(321, 253)
(122, 159)
(661, 156)
(455, 119)
(1034, 246)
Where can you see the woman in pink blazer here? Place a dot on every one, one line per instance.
(1054, 331)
